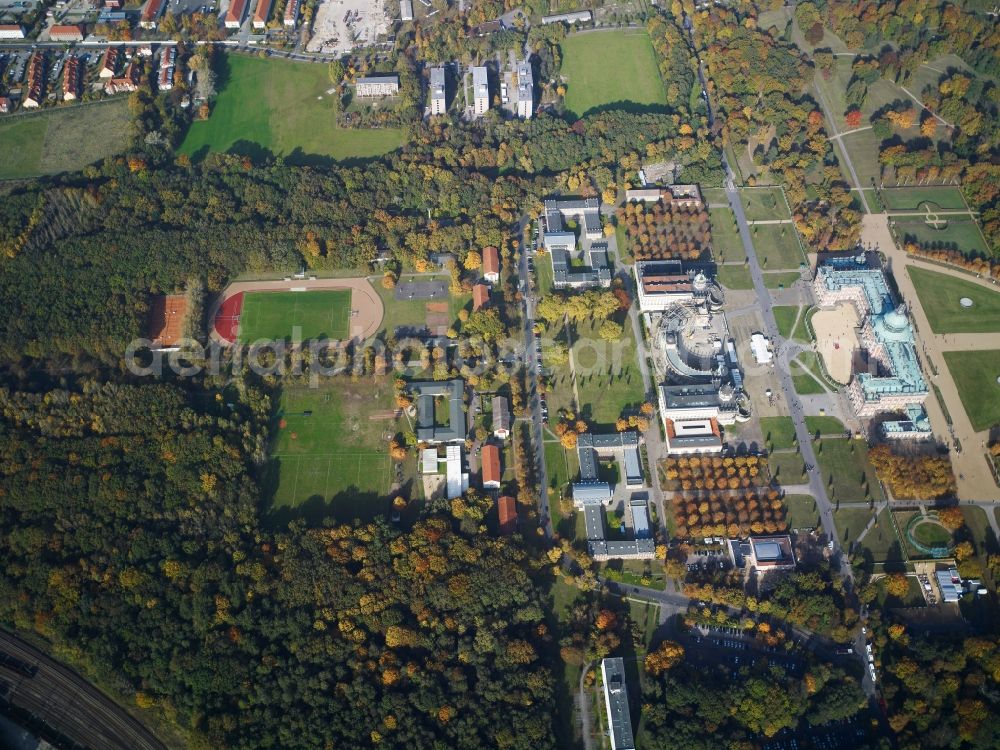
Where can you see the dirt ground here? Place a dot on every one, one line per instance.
(836, 339)
(365, 21)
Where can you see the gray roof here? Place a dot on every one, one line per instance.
(379, 78)
(591, 492)
(427, 390)
(639, 549)
(695, 441)
(633, 466)
(588, 208)
(616, 703)
(593, 517)
(588, 462)
(501, 415)
(598, 272)
(690, 396)
(640, 519)
(608, 439)
(437, 83)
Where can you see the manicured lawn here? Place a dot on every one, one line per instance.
(845, 467)
(960, 234)
(763, 204)
(781, 279)
(975, 374)
(911, 198)
(300, 315)
(726, 242)
(777, 246)
(824, 425)
(804, 383)
(562, 466)
(608, 377)
(802, 513)
(940, 294)
(734, 276)
(850, 522)
(281, 108)
(882, 541)
(779, 432)
(786, 466)
(863, 149)
(715, 196)
(785, 316)
(63, 139)
(612, 67)
(334, 458)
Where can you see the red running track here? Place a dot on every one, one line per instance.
(227, 319)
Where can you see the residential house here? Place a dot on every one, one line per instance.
(501, 418)
(70, 33)
(234, 16)
(109, 63)
(616, 704)
(291, 14)
(261, 13)
(36, 81)
(11, 31)
(150, 13)
(439, 103)
(490, 460)
(507, 515)
(480, 296)
(126, 84)
(405, 10)
(491, 264)
(525, 90)
(71, 79)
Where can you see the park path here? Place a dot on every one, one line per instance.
(934, 114)
(972, 473)
(367, 310)
(838, 136)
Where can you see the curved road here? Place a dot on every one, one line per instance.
(67, 703)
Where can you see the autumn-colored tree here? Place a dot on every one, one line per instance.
(853, 118)
(896, 585)
(667, 655)
(951, 517)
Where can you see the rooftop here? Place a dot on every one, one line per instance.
(427, 428)
(616, 703)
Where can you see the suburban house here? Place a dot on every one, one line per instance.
(165, 81)
(507, 515)
(67, 33)
(150, 12)
(453, 393)
(501, 418)
(234, 16)
(525, 90)
(480, 90)
(36, 81)
(405, 10)
(491, 264)
(261, 13)
(126, 84)
(109, 63)
(439, 104)
(490, 459)
(291, 14)
(480, 296)
(11, 31)
(71, 79)
(616, 703)
(385, 84)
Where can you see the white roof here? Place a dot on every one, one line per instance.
(761, 349)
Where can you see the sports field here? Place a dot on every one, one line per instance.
(281, 108)
(275, 316)
(940, 294)
(63, 139)
(329, 452)
(610, 67)
(975, 374)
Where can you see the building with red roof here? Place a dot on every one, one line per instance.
(71, 79)
(507, 515)
(261, 13)
(491, 264)
(480, 296)
(234, 16)
(491, 467)
(68, 33)
(150, 12)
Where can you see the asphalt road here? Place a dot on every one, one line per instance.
(68, 703)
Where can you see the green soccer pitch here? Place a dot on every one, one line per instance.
(306, 315)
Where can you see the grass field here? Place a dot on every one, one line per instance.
(281, 108)
(863, 149)
(781, 279)
(764, 204)
(726, 242)
(413, 312)
(335, 458)
(802, 513)
(850, 522)
(303, 316)
(804, 383)
(779, 432)
(940, 294)
(777, 246)
(975, 374)
(944, 197)
(845, 467)
(734, 276)
(610, 68)
(881, 540)
(962, 235)
(824, 425)
(785, 316)
(63, 139)
(786, 466)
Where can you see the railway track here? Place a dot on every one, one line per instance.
(60, 705)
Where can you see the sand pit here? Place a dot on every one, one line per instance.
(344, 25)
(837, 339)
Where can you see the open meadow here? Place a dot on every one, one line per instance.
(614, 67)
(975, 374)
(62, 139)
(281, 108)
(940, 297)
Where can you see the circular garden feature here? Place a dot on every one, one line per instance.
(928, 535)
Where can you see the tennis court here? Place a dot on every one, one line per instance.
(302, 316)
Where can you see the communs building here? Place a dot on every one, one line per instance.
(892, 379)
(576, 265)
(663, 283)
